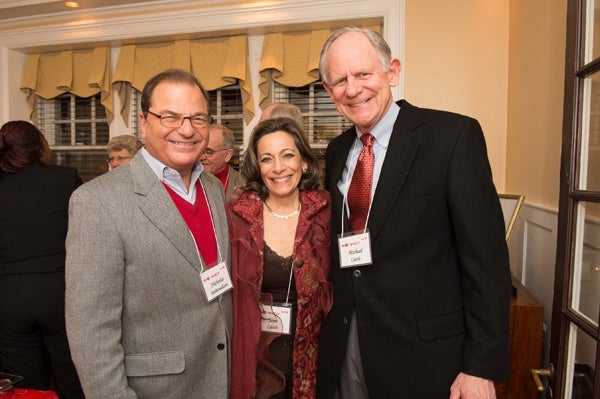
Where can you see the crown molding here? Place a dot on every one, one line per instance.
(139, 21)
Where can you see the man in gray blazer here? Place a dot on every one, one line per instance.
(141, 319)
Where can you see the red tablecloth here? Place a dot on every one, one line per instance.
(20, 393)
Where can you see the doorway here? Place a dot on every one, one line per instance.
(574, 349)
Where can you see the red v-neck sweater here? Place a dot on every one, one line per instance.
(198, 218)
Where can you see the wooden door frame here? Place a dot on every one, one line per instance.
(562, 316)
(559, 326)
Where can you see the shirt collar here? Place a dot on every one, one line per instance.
(171, 177)
(382, 131)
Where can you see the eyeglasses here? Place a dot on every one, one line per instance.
(198, 121)
(209, 153)
(117, 159)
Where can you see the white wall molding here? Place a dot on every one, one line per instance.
(533, 253)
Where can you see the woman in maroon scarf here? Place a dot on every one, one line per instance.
(279, 228)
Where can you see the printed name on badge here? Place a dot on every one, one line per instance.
(275, 318)
(355, 250)
(216, 281)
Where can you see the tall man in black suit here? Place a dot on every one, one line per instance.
(426, 317)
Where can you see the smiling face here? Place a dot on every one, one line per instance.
(178, 148)
(280, 163)
(357, 82)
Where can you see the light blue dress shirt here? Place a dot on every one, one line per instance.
(173, 179)
(381, 132)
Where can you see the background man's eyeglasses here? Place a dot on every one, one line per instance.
(198, 121)
(117, 159)
(209, 153)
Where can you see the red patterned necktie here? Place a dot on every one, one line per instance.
(359, 193)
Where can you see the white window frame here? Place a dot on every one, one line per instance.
(282, 93)
(49, 124)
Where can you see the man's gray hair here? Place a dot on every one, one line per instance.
(228, 138)
(379, 44)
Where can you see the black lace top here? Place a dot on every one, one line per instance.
(276, 276)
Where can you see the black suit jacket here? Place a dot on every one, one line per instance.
(34, 218)
(436, 299)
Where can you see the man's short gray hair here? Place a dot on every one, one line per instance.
(379, 44)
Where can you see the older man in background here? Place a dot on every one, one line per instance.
(282, 110)
(121, 149)
(217, 155)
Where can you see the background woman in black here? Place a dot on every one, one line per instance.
(34, 199)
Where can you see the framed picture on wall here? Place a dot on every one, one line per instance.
(511, 205)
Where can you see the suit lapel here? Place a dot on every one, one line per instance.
(401, 151)
(157, 205)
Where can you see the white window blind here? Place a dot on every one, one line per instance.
(77, 131)
(226, 108)
(322, 122)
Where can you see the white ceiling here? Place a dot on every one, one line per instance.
(11, 9)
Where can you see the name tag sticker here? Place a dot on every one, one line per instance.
(275, 318)
(355, 250)
(216, 281)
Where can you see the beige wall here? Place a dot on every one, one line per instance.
(502, 63)
(456, 58)
(537, 37)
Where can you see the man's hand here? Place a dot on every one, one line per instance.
(467, 386)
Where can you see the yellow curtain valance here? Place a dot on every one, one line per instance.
(80, 72)
(292, 59)
(217, 63)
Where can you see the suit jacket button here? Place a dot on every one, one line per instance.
(345, 321)
(299, 263)
(221, 347)
(357, 273)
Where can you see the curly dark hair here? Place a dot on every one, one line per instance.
(20, 146)
(251, 170)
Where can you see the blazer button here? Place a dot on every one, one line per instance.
(298, 373)
(357, 273)
(345, 321)
(221, 347)
(304, 303)
(299, 263)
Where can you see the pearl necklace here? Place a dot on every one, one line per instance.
(283, 217)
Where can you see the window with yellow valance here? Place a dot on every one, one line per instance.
(83, 73)
(216, 62)
(292, 59)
